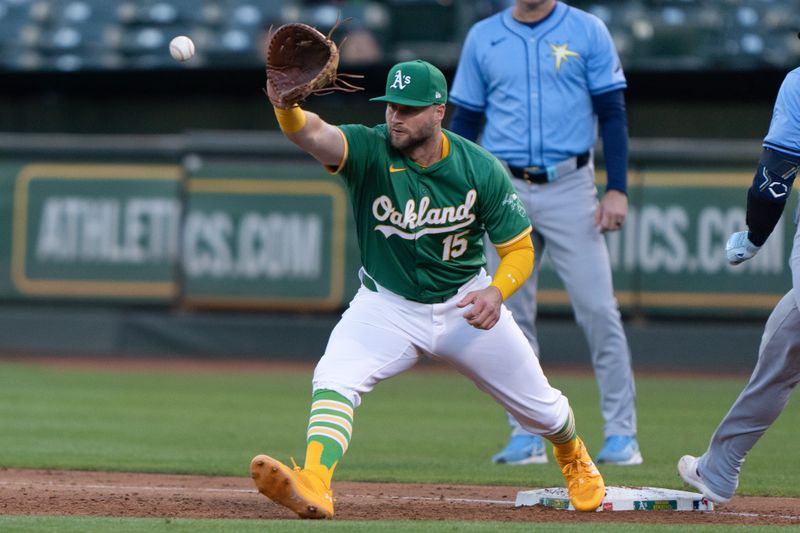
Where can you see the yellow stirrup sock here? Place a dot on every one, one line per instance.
(330, 427)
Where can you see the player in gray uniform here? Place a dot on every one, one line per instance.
(543, 73)
(423, 198)
(777, 372)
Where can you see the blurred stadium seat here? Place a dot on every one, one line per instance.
(363, 23)
(429, 29)
(702, 34)
(120, 34)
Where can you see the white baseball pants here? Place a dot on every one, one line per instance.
(383, 334)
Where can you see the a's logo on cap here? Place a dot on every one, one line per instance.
(438, 94)
(400, 81)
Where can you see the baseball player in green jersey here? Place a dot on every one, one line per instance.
(422, 199)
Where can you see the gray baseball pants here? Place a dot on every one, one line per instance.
(766, 394)
(562, 214)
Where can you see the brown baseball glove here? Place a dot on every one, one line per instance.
(301, 61)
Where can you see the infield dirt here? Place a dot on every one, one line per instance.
(78, 493)
(119, 494)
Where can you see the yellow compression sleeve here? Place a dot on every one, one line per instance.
(516, 265)
(291, 120)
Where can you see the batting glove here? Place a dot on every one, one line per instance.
(739, 248)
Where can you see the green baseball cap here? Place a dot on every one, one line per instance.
(415, 83)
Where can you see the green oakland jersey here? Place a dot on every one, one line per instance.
(419, 228)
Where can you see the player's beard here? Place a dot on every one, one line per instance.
(412, 140)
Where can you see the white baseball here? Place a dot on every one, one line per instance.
(181, 48)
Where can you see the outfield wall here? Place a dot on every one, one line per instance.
(685, 346)
(208, 222)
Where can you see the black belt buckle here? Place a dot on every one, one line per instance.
(529, 174)
(539, 175)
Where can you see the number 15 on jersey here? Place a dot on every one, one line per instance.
(454, 246)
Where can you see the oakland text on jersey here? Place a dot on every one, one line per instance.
(420, 229)
(455, 216)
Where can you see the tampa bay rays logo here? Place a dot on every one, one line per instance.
(400, 81)
(562, 53)
(424, 220)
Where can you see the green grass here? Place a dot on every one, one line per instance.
(419, 427)
(152, 525)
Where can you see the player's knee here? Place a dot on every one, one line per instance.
(349, 393)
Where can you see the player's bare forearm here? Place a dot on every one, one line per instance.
(485, 307)
(320, 139)
(611, 213)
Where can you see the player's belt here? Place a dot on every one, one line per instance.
(541, 175)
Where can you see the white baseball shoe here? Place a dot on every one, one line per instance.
(687, 468)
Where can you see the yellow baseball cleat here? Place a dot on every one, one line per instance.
(297, 489)
(585, 485)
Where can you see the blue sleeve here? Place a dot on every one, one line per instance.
(466, 123)
(784, 129)
(604, 69)
(778, 165)
(767, 196)
(469, 89)
(613, 118)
